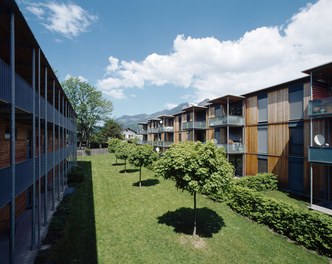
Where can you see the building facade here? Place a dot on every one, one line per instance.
(37, 132)
(285, 129)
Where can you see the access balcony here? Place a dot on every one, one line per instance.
(320, 108)
(321, 155)
(235, 148)
(193, 125)
(230, 120)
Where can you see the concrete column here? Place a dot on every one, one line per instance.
(33, 220)
(45, 150)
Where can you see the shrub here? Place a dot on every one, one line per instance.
(309, 228)
(76, 175)
(259, 182)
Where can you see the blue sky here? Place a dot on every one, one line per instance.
(149, 55)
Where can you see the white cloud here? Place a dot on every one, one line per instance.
(81, 78)
(170, 106)
(262, 57)
(69, 20)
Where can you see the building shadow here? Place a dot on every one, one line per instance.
(208, 221)
(147, 183)
(77, 240)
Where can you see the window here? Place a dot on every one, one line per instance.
(295, 174)
(262, 140)
(262, 164)
(235, 109)
(7, 133)
(217, 135)
(295, 95)
(262, 108)
(296, 139)
(217, 110)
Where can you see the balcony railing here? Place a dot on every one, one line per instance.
(226, 121)
(320, 155)
(159, 143)
(167, 129)
(142, 142)
(320, 107)
(235, 148)
(142, 131)
(193, 125)
(24, 95)
(153, 130)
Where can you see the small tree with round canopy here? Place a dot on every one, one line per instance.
(123, 151)
(196, 168)
(142, 156)
(113, 144)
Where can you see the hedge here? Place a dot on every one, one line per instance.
(259, 182)
(309, 228)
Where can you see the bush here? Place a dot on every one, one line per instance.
(309, 228)
(259, 182)
(76, 175)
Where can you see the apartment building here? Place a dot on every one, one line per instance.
(37, 133)
(284, 129)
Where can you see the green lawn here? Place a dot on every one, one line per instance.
(112, 220)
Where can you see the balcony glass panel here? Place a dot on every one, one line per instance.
(320, 107)
(193, 125)
(5, 92)
(224, 121)
(142, 131)
(235, 148)
(320, 155)
(167, 129)
(153, 130)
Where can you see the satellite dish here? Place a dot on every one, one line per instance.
(157, 149)
(319, 140)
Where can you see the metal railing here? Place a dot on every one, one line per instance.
(153, 130)
(320, 155)
(167, 129)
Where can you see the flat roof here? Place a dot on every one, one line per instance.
(321, 71)
(231, 97)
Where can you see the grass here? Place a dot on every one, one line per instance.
(287, 198)
(111, 220)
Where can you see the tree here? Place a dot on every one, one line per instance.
(113, 144)
(196, 168)
(143, 155)
(88, 104)
(123, 151)
(110, 129)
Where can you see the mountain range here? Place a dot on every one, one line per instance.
(131, 121)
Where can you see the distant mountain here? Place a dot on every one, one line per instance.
(127, 121)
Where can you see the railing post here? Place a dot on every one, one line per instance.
(46, 150)
(33, 218)
(12, 140)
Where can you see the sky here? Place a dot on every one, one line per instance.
(149, 55)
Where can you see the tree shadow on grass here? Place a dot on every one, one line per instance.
(147, 183)
(118, 164)
(129, 171)
(208, 221)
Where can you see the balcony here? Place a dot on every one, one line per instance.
(142, 131)
(153, 130)
(193, 125)
(167, 129)
(320, 108)
(230, 120)
(320, 155)
(235, 148)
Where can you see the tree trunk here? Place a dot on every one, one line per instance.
(140, 176)
(194, 232)
(116, 160)
(125, 165)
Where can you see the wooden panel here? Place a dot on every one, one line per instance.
(279, 167)
(278, 106)
(251, 110)
(319, 127)
(306, 99)
(306, 176)
(306, 138)
(251, 139)
(251, 165)
(319, 180)
(278, 138)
